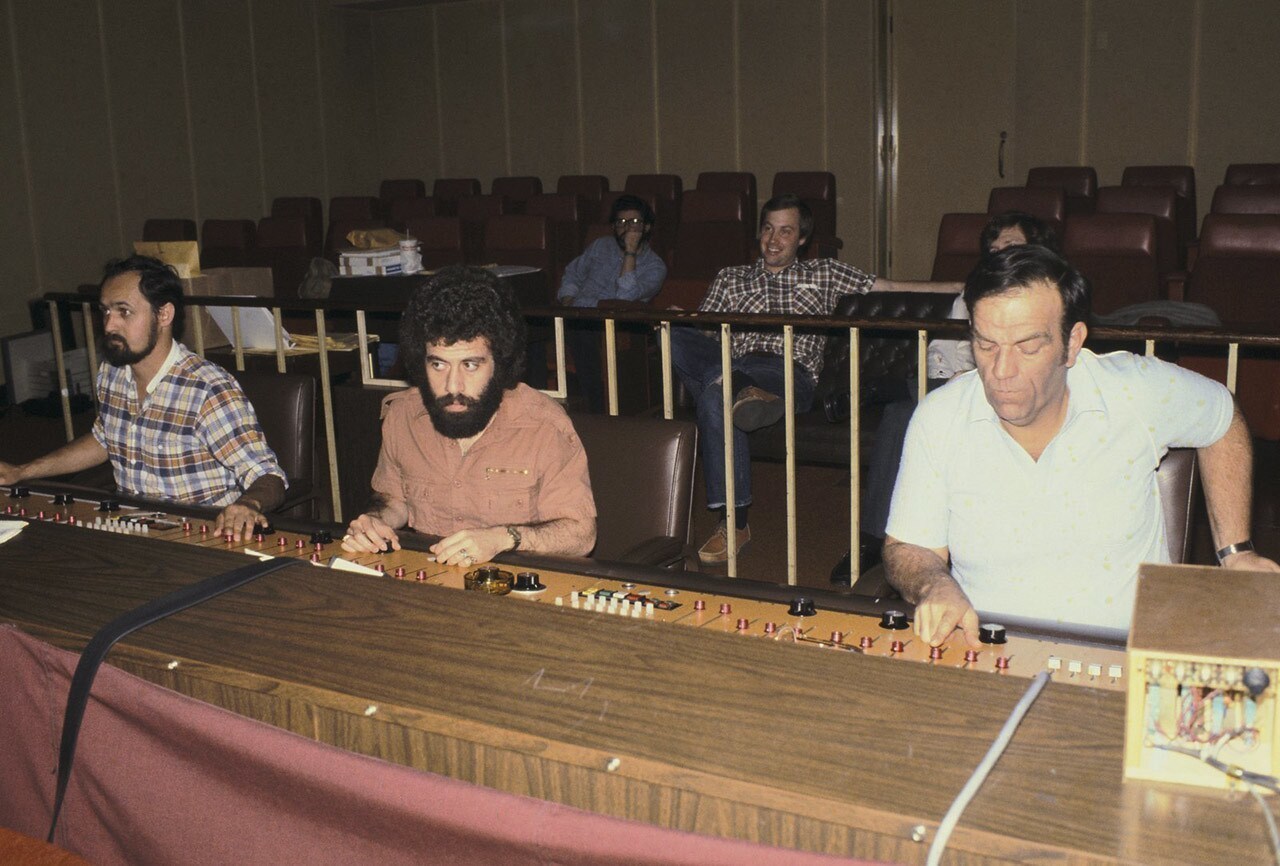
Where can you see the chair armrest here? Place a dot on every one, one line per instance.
(1175, 285)
(663, 551)
(300, 491)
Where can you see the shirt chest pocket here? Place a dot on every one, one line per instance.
(511, 495)
(176, 447)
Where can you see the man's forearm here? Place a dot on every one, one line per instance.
(566, 536)
(81, 453)
(883, 285)
(264, 495)
(913, 570)
(393, 513)
(1226, 468)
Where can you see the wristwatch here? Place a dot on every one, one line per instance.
(515, 537)
(1245, 546)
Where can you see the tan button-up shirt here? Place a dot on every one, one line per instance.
(527, 467)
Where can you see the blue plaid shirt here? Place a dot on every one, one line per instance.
(194, 438)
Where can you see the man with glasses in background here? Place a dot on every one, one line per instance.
(622, 267)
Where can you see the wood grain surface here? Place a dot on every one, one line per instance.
(783, 744)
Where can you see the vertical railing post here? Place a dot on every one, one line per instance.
(855, 463)
(362, 334)
(611, 363)
(726, 405)
(789, 400)
(237, 339)
(91, 346)
(60, 361)
(278, 319)
(326, 393)
(664, 353)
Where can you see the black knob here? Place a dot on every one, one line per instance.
(1256, 681)
(895, 620)
(63, 499)
(266, 529)
(322, 536)
(19, 492)
(989, 632)
(802, 606)
(109, 505)
(527, 581)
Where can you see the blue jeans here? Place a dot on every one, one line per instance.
(696, 359)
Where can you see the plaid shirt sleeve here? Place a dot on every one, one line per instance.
(229, 428)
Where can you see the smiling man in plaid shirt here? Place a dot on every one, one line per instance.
(778, 283)
(174, 426)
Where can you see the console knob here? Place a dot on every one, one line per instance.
(399, 572)
(770, 627)
(743, 624)
(1002, 663)
(837, 637)
(19, 492)
(989, 632)
(971, 655)
(421, 575)
(897, 646)
(699, 604)
(893, 619)
(322, 536)
(266, 529)
(109, 505)
(63, 499)
(935, 652)
(527, 581)
(865, 642)
(802, 606)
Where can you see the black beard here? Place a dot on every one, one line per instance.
(462, 425)
(117, 352)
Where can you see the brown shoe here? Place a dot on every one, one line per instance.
(717, 547)
(755, 408)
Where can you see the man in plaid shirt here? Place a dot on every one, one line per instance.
(173, 425)
(778, 283)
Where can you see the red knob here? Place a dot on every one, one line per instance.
(865, 642)
(897, 646)
(770, 627)
(399, 571)
(699, 605)
(1002, 663)
(837, 637)
(380, 568)
(726, 609)
(935, 652)
(742, 622)
(971, 655)
(298, 545)
(280, 542)
(422, 575)
(204, 530)
(315, 557)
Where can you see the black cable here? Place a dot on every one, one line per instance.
(123, 625)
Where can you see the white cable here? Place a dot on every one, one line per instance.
(961, 802)
(1271, 821)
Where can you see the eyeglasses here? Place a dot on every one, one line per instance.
(633, 222)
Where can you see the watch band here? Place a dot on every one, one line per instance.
(1245, 546)
(515, 537)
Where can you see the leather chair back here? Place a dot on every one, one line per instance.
(1078, 182)
(354, 207)
(1238, 270)
(401, 210)
(227, 243)
(447, 190)
(591, 187)
(312, 214)
(1182, 179)
(1256, 199)
(169, 230)
(440, 238)
(566, 214)
(519, 239)
(474, 211)
(741, 182)
(818, 189)
(1117, 252)
(713, 234)
(959, 245)
(283, 245)
(390, 190)
(1047, 203)
(516, 190)
(285, 404)
(1252, 173)
(1160, 202)
(642, 479)
(1179, 481)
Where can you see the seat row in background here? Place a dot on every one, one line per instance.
(1136, 241)
(697, 232)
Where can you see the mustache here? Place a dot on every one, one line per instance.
(459, 399)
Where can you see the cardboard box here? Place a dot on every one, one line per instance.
(222, 282)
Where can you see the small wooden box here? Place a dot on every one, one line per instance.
(1196, 632)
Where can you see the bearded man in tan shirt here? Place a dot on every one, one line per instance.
(471, 454)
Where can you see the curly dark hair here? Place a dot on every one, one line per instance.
(157, 281)
(462, 303)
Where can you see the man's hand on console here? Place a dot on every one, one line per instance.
(942, 609)
(369, 534)
(10, 473)
(239, 519)
(470, 546)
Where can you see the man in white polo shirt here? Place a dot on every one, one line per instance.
(1028, 488)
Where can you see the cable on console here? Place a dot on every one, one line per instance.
(961, 802)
